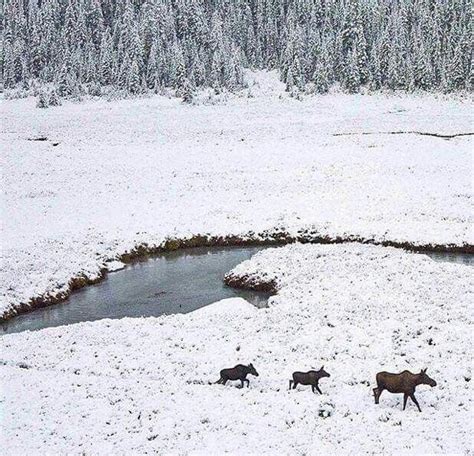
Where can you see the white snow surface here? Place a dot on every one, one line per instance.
(136, 386)
(113, 175)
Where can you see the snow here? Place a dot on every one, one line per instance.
(115, 265)
(140, 171)
(112, 176)
(143, 385)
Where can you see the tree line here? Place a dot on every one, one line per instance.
(145, 45)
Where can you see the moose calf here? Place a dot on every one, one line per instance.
(405, 383)
(238, 372)
(309, 378)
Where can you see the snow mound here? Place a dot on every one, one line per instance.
(230, 307)
(115, 265)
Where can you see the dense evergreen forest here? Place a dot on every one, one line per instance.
(134, 46)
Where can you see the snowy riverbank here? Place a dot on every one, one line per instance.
(141, 385)
(111, 176)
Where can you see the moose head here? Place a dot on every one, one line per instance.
(424, 379)
(323, 373)
(252, 370)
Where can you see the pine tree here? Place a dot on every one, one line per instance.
(65, 82)
(95, 90)
(152, 70)
(70, 29)
(423, 72)
(8, 67)
(105, 65)
(455, 76)
(375, 78)
(126, 28)
(134, 78)
(95, 21)
(36, 60)
(290, 81)
(216, 38)
(230, 76)
(297, 72)
(136, 50)
(179, 73)
(362, 57)
(188, 91)
(238, 66)
(396, 77)
(216, 71)
(199, 70)
(352, 74)
(54, 99)
(42, 101)
(122, 80)
(82, 34)
(321, 76)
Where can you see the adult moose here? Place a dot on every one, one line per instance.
(405, 383)
(311, 377)
(238, 372)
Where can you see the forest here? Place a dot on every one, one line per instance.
(138, 46)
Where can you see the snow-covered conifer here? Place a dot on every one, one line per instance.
(133, 83)
(42, 100)
(352, 74)
(405, 44)
(187, 92)
(54, 99)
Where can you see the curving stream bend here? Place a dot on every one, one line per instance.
(173, 282)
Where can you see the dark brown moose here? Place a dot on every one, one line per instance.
(311, 377)
(405, 383)
(238, 372)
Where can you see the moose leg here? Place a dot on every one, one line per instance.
(241, 383)
(377, 393)
(405, 399)
(318, 390)
(413, 398)
(295, 384)
(248, 382)
(291, 381)
(312, 388)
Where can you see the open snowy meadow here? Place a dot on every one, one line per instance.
(84, 183)
(111, 176)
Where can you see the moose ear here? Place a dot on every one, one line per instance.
(322, 367)
(423, 371)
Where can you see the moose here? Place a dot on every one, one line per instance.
(238, 372)
(405, 383)
(311, 377)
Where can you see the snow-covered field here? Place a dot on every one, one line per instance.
(138, 171)
(111, 176)
(142, 385)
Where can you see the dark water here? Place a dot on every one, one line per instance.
(461, 258)
(175, 282)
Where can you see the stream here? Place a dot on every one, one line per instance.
(173, 282)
